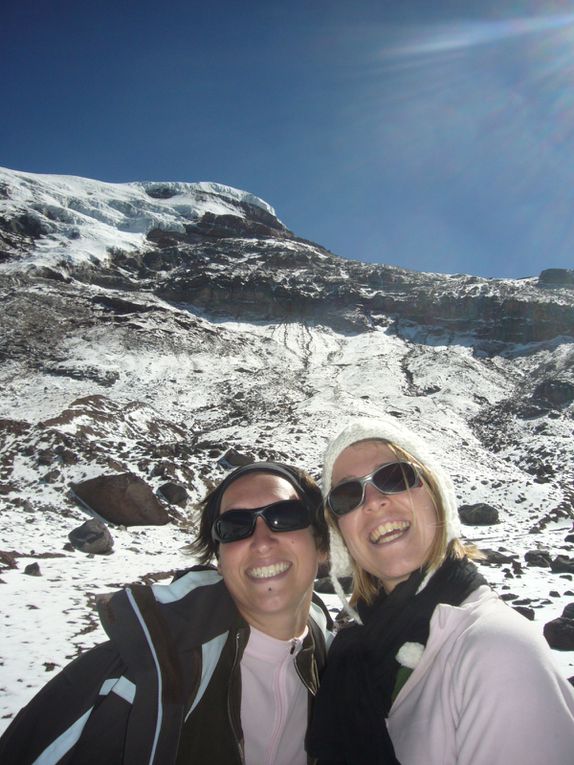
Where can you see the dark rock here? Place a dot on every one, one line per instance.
(164, 469)
(28, 225)
(69, 547)
(45, 457)
(122, 499)
(51, 476)
(569, 538)
(160, 191)
(33, 569)
(562, 564)
(568, 612)
(525, 611)
(92, 537)
(7, 560)
(479, 514)
(232, 458)
(496, 557)
(541, 558)
(67, 456)
(556, 393)
(559, 634)
(556, 277)
(174, 493)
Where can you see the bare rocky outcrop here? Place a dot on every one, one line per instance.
(123, 499)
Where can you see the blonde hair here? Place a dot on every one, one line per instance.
(366, 586)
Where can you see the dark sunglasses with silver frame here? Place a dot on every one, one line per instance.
(286, 515)
(390, 478)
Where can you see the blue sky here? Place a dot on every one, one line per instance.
(434, 136)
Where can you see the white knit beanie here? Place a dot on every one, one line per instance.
(389, 430)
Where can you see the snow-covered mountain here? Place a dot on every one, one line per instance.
(147, 328)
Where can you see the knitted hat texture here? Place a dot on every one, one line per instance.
(389, 430)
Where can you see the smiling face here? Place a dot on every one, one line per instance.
(389, 535)
(270, 574)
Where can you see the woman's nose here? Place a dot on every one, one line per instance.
(373, 499)
(262, 534)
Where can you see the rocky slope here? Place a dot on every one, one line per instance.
(148, 328)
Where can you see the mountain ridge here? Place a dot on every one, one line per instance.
(155, 351)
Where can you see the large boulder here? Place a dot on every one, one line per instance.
(479, 514)
(559, 634)
(540, 558)
(123, 499)
(562, 564)
(92, 537)
(174, 493)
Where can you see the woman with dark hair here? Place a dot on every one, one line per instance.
(219, 667)
(437, 669)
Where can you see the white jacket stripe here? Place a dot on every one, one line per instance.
(158, 671)
(210, 653)
(120, 686)
(58, 748)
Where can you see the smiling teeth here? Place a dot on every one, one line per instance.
(390, 531)
(264, 572)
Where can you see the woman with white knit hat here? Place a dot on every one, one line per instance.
(436, 669)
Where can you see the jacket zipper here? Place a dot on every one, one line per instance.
(230, 717)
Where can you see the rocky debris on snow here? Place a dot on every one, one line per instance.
(211, 332)
(479, 514)
(497, 557)
(540, 558)
(7, 560)
(33, 569)
(123, 499)
(554, 393)
(92, 537)
(174, 493)
(562, 564)
(232, 459)
(526, 611)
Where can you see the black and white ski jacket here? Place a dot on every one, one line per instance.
(165, 689)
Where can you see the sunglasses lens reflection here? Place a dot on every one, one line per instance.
(395, 478)
(288, 515)
(388, 479)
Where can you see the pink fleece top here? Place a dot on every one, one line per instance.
(273, 701)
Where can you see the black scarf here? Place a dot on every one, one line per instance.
(355, 696)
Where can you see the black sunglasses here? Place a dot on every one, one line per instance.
(390, 478)
(287, 515)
